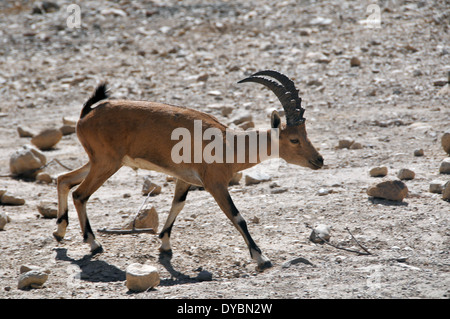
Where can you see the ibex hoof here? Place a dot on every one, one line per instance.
(58, 237)
(265, 265)
(97, 250)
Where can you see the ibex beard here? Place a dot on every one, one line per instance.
(140, 134)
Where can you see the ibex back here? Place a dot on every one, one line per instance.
(139, 134)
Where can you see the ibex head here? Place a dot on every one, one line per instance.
(294, 145)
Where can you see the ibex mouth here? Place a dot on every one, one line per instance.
(316, 164)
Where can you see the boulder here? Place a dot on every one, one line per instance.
(47, 139)
(406, 174)
(26, 161)
(436, 187)
(25, 132)
(8, 199)
(255, 177)
(4, 219)
(320, 233)
(391, 190)
(147, 218)
(354, 61)
(378, 171)
(149, 186)
(141, 277)
(32, 277)
(44, 178)
(445, 166)
(446, 191)
(345, 143)
(445, 142)
(48, 209)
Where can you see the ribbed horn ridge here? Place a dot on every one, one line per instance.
(286, 93)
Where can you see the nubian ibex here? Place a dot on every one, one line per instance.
(140, 134)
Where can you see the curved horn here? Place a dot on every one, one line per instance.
(286, 93)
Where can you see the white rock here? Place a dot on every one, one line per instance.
(319, 21)
(26, 161)
(406, 174)
(141, 277)
(378, 171)
(113, 12)
(445, 166)
(4, 219)
(47, 139)
(320, 233)
(436, 187)
(256, 177)
(32, 277)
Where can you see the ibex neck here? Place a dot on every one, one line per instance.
(253, 147)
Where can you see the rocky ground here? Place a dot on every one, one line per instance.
(380, 84)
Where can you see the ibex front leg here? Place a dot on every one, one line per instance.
(65, 183)
(223, 198)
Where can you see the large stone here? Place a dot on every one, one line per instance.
(32, 277)
(320, 233)
(446, 191)
(149, 186)
(255, 177)
(147, 218)
(47, 139)
(4, 219)
(406, 174)
(391, 190)
(445, 166)
(141, 277)
(26, 161)
(378, 171)
(445, 142)
(436, 187)
(48, 209)
(8, 199)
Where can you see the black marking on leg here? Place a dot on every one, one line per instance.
(167, 231)
(64, 217)
(87, 231)
(251, 244)
(234, 210)
(81, 199)
(183, 196)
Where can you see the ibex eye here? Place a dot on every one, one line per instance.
(295, 141)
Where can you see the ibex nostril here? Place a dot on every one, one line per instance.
(320, 160)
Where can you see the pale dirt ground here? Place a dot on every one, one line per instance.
(156, 52)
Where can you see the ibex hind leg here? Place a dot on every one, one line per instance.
(225, 202)
(98, 174)
(65, 183)
(179, 199)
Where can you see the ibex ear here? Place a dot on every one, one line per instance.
(275, 120)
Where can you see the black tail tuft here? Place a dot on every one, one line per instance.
(101, 93)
